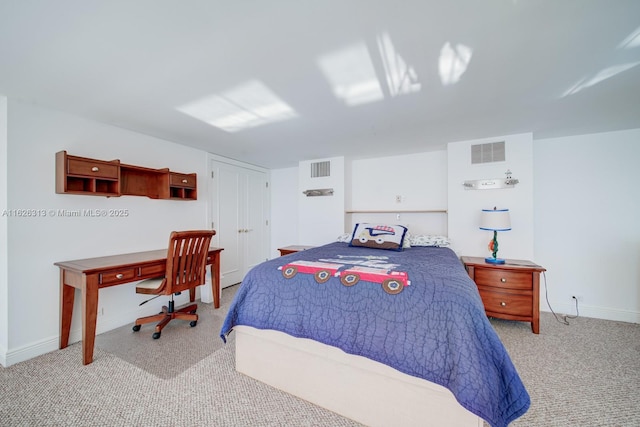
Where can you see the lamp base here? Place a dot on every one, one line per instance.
(491, 260)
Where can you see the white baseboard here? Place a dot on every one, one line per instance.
(596, 312)
(32, 350)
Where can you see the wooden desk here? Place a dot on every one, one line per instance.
(91, 274)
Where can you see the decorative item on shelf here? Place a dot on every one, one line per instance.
(318, 192)
(495, 220)
(487, 184)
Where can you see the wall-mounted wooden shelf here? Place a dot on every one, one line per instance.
(82, 175)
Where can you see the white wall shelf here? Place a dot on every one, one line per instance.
(398, 211)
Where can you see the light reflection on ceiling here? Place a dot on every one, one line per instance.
(401, 78)
(630, 42)
(598, 77)
(633, 40)
(248, 105)
(351, 73)
(453, 62)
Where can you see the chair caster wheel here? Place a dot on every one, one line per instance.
(136, 328)
(193, 323)
(156, 335)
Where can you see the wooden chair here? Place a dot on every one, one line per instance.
(186, 269)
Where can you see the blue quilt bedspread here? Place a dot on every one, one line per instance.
(429, 323)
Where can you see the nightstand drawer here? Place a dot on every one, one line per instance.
(503, 278)
(505, 303)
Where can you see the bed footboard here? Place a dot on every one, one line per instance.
(353, 386)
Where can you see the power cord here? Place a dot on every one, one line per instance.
(564, 318)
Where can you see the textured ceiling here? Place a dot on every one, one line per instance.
(272, 83)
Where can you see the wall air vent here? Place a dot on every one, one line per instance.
(319, 169)
(487, 153)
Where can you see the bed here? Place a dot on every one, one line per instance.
(384, 337)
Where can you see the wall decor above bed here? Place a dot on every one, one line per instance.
(318, 192)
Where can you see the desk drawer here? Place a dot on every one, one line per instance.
(151, 271)
(503, 278)
(116, 277)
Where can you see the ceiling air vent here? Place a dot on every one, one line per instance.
(487, 153)
(319, 169)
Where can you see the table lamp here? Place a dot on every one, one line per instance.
(495, 220)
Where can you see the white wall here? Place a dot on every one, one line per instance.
(321, 218)
(34, 244)
(284, 209)
(4, 291)
(418, 179)
(587, 222)
(465, 206)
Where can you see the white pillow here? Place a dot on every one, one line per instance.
(344, 238)
(428, 240)
(406, 243)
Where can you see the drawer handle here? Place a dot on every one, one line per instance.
(184, 181)
(95, 169)
(503, 280)
(119, 276)
(504, 304)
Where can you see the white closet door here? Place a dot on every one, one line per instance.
(231, 183)
(256, 236)
(239, 214)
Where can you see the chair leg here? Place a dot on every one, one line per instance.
(150, 319)
(168, 318)
(167, 315)
(187, 313)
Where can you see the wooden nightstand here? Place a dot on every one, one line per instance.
(509, 291)
(293, 249)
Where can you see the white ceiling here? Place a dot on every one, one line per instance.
(327, 78)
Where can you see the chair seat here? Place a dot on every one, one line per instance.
(149, 284)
